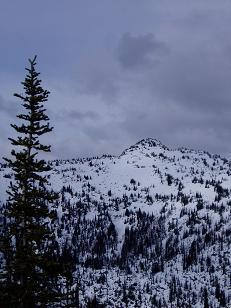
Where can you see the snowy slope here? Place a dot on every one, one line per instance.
(150, 228)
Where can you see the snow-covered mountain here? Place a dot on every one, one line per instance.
(150, 228)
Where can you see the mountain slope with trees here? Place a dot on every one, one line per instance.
(150, 228)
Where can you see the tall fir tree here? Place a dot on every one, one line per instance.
(31, 268)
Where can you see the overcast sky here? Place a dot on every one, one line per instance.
(120, 71)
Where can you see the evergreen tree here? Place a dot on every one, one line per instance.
(206, 298)
(31, 269)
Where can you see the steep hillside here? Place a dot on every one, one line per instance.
(150, 228)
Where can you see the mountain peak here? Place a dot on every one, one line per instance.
(147, 144)
(151, 142)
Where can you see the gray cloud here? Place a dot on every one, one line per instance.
(139, 51)
(100, 79)
(160, 69)
(77, 115)
(10, 108)
(200, 81)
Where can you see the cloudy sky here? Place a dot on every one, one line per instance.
(120, 71)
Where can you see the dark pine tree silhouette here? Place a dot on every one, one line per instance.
(32, 273)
